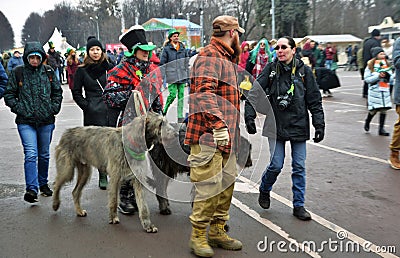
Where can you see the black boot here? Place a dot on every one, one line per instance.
(367, 122)
(382, 131)
(264, 200)
(127, 203)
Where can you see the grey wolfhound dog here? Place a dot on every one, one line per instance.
(119, 151)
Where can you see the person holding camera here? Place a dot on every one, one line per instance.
(286, 90)
(377, 75)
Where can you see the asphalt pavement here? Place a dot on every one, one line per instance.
(352, 192)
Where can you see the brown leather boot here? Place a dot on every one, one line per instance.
(394, 160)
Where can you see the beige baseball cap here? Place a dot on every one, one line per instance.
(225, 23)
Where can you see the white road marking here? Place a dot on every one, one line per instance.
(348, 153)
(345, 103)
(329, 225)
(253, 214)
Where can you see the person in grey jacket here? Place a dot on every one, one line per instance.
(174, 63)
(34, 94)
(286, 90)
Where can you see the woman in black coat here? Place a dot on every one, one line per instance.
(91, 78)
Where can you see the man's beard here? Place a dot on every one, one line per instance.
(237, 50)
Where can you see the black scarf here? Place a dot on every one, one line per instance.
(141, 64)
(96, 70)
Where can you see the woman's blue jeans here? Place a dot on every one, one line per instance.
(277, 152)
(36, 143)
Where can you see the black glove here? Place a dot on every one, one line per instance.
(319, 135)
(251, 126)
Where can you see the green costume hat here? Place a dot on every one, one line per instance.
(51, 45)
(135, 38)
(172, 32)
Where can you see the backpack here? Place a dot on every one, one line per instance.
(19, 75)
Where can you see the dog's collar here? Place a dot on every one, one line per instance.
(134, 155)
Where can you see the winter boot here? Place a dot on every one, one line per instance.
(367, 122)
(127, 204)
(217, 237)
(394, 159)
(103, 180)
(198, 243)
(264, 200)
(382, 131)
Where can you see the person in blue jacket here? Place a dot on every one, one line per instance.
(3, 80)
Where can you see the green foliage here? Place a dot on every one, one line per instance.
(290, 16)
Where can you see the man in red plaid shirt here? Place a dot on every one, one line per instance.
(212, 133)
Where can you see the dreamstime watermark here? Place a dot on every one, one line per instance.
(340, 244)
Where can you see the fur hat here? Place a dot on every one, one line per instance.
(375, 33)
(91, 42)
(51, 45)
(135, 38)
(172, 32)
(375, 51)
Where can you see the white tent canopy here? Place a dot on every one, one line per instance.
(60, 42)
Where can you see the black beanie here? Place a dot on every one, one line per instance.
(91, 42)
(375, 33)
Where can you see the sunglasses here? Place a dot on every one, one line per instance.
(283, 47)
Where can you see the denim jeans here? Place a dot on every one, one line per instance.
(328, 64)
(57, 73)
(277, 152)
(36, 143)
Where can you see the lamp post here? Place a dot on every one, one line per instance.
(96, 19)
(201, 25)
(272, 12)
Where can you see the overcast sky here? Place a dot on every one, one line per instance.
(17, 11)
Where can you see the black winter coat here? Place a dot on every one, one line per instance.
(91, 80)
(369, 43)
(292, 123)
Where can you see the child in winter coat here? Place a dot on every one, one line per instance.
(378, 74)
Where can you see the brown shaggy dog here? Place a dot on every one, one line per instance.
(119, 151)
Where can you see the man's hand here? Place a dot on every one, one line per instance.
(221, 136)
(319, 135)
(251, 126)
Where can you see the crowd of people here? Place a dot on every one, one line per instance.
(281, 71)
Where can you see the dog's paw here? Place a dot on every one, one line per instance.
(114, 220)
(81, 213)
(56, 205)
(165, 211)
(151, 229)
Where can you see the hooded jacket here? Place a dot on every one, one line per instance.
(37, 98)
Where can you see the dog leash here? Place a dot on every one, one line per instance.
(139, 103)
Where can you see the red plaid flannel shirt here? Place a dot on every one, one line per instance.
(214, 97)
